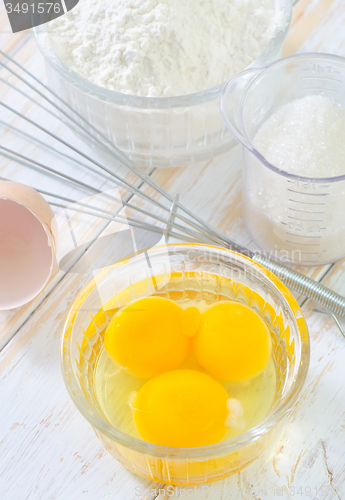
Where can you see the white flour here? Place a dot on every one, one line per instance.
(162, 47)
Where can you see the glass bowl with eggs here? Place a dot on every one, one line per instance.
(186, 360)
(149, 75)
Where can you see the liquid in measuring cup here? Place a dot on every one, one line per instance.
(300, 220)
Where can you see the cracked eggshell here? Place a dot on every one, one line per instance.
(27, 244)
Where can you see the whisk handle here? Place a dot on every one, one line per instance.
(304, 285)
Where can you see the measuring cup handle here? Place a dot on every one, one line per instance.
(231, 103)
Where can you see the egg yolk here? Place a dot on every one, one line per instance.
(151, 335)
(233, 342)
(182, 408)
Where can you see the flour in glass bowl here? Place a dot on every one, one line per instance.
(160, 48)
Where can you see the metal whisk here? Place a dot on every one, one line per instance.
(172, 216)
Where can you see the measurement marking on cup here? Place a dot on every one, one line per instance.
(303, 244)
(325, 186)
(302, 236)
(308, 194)
(321, 78)
(306, 202)
(304, 220)
(304, 212)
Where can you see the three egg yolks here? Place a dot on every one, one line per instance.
(152, 337)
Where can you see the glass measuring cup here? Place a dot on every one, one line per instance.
(295, 218)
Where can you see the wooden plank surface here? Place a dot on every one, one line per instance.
(48, 451)
(308, 18)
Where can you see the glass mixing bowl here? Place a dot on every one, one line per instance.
(163, 131)
(194, 271)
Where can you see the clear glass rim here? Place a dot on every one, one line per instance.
(265, 69)
(188, 100)
(227, 446)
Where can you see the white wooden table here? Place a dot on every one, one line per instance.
(47, 450)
